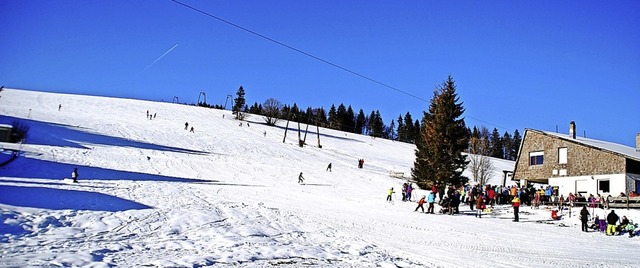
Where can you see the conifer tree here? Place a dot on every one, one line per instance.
(239, 104)
(515, 146)
(390, 132)
(443, 137)
(507, 143)
(415, 131)
(321, 117)
(410, 130)
(333, 120)
(401, 129)
(349, 120)
(360, 122)
(496, 148)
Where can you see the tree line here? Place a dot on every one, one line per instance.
(403, 129)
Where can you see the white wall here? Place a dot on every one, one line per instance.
(617, 183)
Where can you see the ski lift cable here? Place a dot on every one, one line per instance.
(314, 57)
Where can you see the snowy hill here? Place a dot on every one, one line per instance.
(152, 193)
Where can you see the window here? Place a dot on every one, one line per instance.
(536, 158)
(603, 186)
(562, 155)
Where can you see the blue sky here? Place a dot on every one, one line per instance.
(517, 64)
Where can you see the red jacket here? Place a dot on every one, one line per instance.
(516, 202)
(491, 193)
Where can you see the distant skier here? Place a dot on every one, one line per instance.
(74, 175)
(186, 125)
(265, 133)
(192, 130)
(300, 178)
(329, 167)
(420, 204)
(59, 107)
(390, 193)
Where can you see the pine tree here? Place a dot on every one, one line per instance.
(410, 130)
(390, 132)
(377, 125)
(515, 146)
(239, 104)
(495, 145)
(360, 122)
(349, 120)
(401, 129)
(333, 119)
(321, 117)
(415, 131)
(443, 137)
(507, 143)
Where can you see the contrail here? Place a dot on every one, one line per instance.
(161, 56)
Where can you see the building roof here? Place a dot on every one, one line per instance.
(623, 150)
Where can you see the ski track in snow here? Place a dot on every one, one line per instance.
(154, 194)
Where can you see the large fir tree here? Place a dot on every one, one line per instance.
(239, 104)
(443, 137)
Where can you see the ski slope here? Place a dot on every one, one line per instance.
(154, 194)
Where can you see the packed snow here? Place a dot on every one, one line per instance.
(153, 193)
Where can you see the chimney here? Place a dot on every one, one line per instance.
(572, 129)
(638, 142)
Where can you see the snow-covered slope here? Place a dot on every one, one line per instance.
(152, 193)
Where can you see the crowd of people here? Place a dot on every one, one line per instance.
(483, 198)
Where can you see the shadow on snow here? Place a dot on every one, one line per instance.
(53, 134)
(50, 198)
(24, 167)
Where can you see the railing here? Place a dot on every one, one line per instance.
(624, 202)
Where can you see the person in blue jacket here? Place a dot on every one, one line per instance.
(431, 199)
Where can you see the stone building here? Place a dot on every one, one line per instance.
(576, 164)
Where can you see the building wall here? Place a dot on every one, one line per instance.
(581, 160)
(589, 184)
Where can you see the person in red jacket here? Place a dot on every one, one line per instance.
(516, 208)
(420, 203)
(491, 196)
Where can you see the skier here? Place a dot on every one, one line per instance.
(192, 130)
(516, 208)
(390, 193)
(300, 178)
(59, 107)
(186, 125)
(420, 203)
(584, 217)
(431, 199)
(74, 175)
(329, 167)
